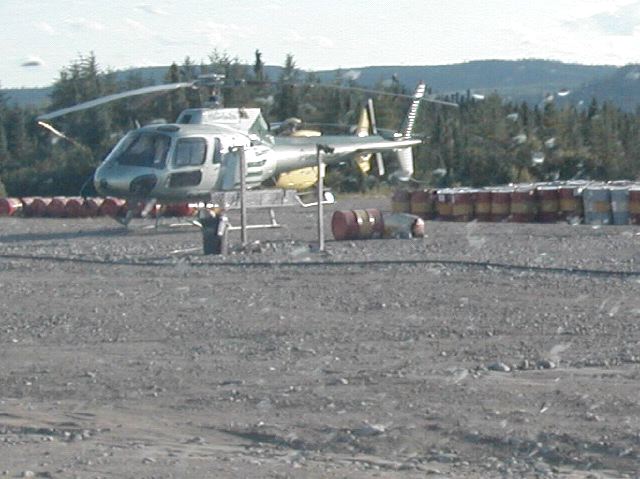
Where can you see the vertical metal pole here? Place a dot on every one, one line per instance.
(320, 203)
(243, 189)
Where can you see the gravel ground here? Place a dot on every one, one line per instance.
(482, 350)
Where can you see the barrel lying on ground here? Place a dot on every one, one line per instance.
(57, 207)
(357, 224)
(10, 206)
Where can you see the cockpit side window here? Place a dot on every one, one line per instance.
(217, 151)
(144, 149)
(190, 152)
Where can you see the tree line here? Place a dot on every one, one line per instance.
(485, 141)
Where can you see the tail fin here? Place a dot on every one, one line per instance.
(405, 155)
(409, 121)
(364, 128)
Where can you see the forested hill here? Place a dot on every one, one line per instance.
(521, 80)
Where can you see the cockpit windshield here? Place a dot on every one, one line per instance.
(142, 148)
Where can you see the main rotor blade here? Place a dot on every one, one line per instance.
(379, 92)
(114, 97)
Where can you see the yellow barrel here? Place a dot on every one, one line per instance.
(500, 204)
(523, 205)
(423, 204)
(634, 205)
(462, 205)
(444, 205)
(401, 201)
(483, 205)
(548, 204)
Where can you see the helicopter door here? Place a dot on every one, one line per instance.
(211, 167)
(230, 171)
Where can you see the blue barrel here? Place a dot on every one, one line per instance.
(597, 205)
(620, 205)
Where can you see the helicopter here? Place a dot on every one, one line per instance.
(200, 153)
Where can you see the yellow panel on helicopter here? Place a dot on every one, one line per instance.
(300, 179)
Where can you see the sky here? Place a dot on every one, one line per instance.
(41, 37)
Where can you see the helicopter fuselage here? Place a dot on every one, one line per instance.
(179, 162)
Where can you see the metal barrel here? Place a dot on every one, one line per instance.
(369, 223)
(112, 206)
(27, 202)
(357, 224)
(634, 205)
(444, 205)
(619, 205)
(39, 207)
(483, 205)
(401, 201)
(423, 204)
(548, 204)
(570, 202)
(403, 225)
(523, 205)
(57, 207)
(462, 204)
(501, 204)
(74, 208)
(178, 210)
(92, 206)
(597, 205)
(344, 225)
(10, 206)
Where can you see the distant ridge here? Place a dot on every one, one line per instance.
(514, 80)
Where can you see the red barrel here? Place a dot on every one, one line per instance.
(523, 205)
(501, 204)
(10, 206)
(444, 204)
(401, 201)
(357, 224)
(92, 206)
(483, 205)
(423, 204)
(38, 207)
(344, 225)
(634, 205)
(27, 203)
(548, 204)
(178, 210)
(570, 202)
(74, 208)
(57, 207)
(462, 205)
(112, 207)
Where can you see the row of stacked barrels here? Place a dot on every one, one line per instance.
(79, 207)
(616, 203)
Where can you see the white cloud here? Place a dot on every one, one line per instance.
(82, 23)
(309, 40)
(45, 27)
(141, 29)
(151, 9)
